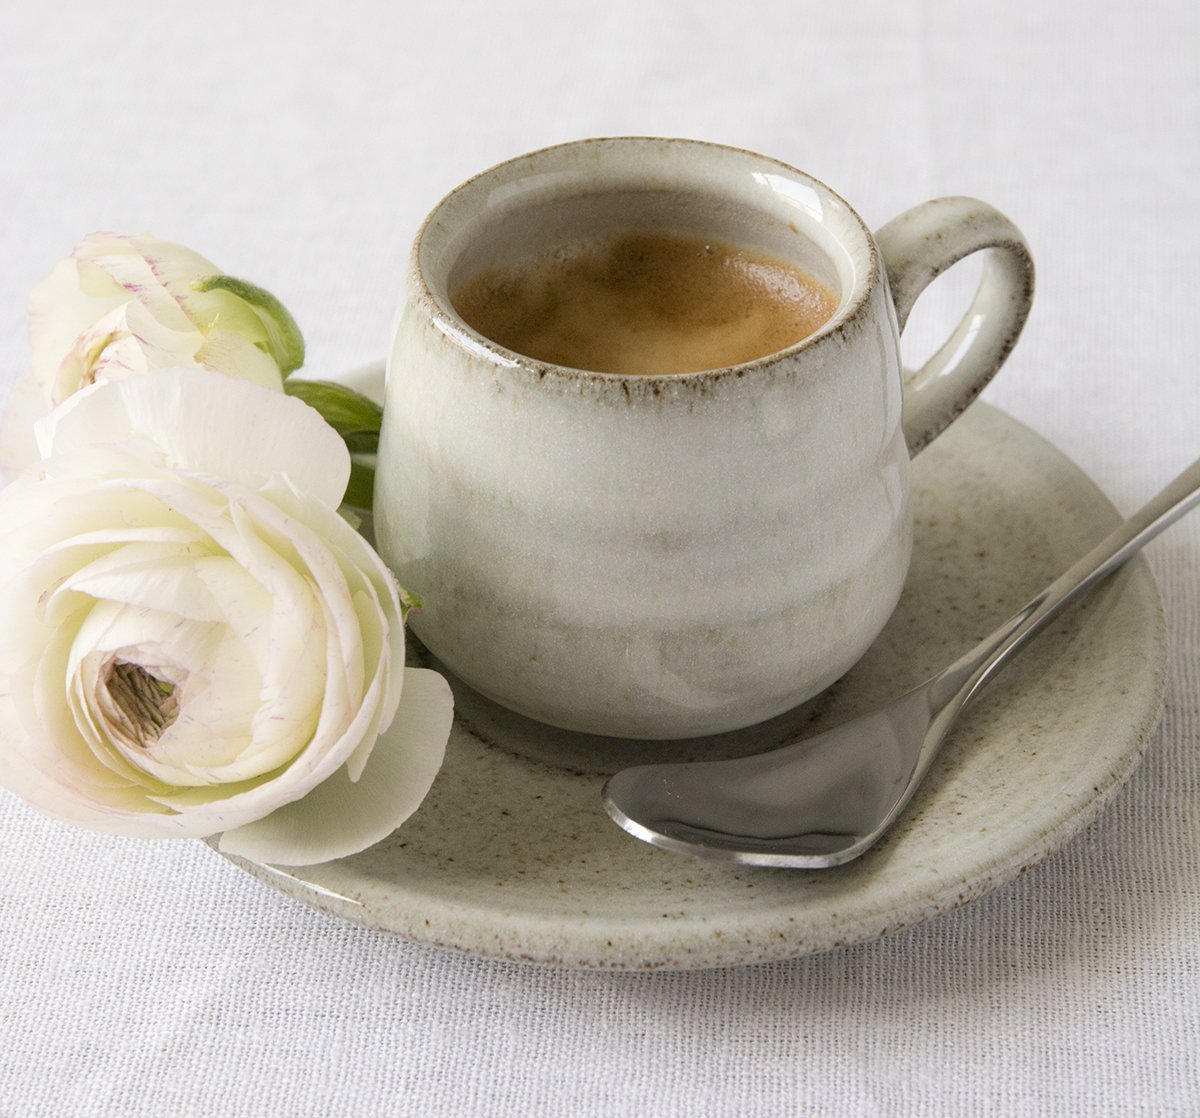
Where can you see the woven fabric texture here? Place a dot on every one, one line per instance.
(299, 145)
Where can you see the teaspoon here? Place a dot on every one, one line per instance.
(826, 800)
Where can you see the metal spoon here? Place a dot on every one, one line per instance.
(826, 800)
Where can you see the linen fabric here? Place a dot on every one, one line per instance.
(299, 146)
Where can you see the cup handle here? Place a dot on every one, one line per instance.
(919, 245)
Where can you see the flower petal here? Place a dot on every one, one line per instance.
(281, 337)
(163, 577)
(149, 270)
(60, 310)
(226, 351)
(338, 817)
(233, 429)
(43, 781)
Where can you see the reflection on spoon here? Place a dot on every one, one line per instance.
(826, 800)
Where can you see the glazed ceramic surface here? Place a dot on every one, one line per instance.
(512, 854)
(667, 556)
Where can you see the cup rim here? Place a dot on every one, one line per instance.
(449, 322)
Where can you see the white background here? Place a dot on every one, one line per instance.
(299, 145)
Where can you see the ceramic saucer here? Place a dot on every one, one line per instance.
(512, 855)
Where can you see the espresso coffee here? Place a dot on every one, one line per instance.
(646, 304)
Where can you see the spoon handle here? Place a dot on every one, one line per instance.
(967, 675)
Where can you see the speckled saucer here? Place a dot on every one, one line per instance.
(512, 855)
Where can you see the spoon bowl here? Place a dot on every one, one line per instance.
(841, 784)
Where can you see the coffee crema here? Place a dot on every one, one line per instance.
(646, 304)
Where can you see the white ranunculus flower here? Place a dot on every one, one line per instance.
(125, 304)
(193, 641)
(120, 305)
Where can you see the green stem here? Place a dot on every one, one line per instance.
(353, 416)
(361, 491)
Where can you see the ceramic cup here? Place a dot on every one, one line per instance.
(677, 555)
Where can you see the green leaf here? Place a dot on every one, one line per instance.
(349, 413)
(361, 491)
(285, 343)
(409, 600)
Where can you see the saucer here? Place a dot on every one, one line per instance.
(512, 855)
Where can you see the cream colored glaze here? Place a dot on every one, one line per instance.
(665, 556)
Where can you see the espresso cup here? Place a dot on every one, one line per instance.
(675, 555)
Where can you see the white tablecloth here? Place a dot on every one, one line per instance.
(299, 145)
